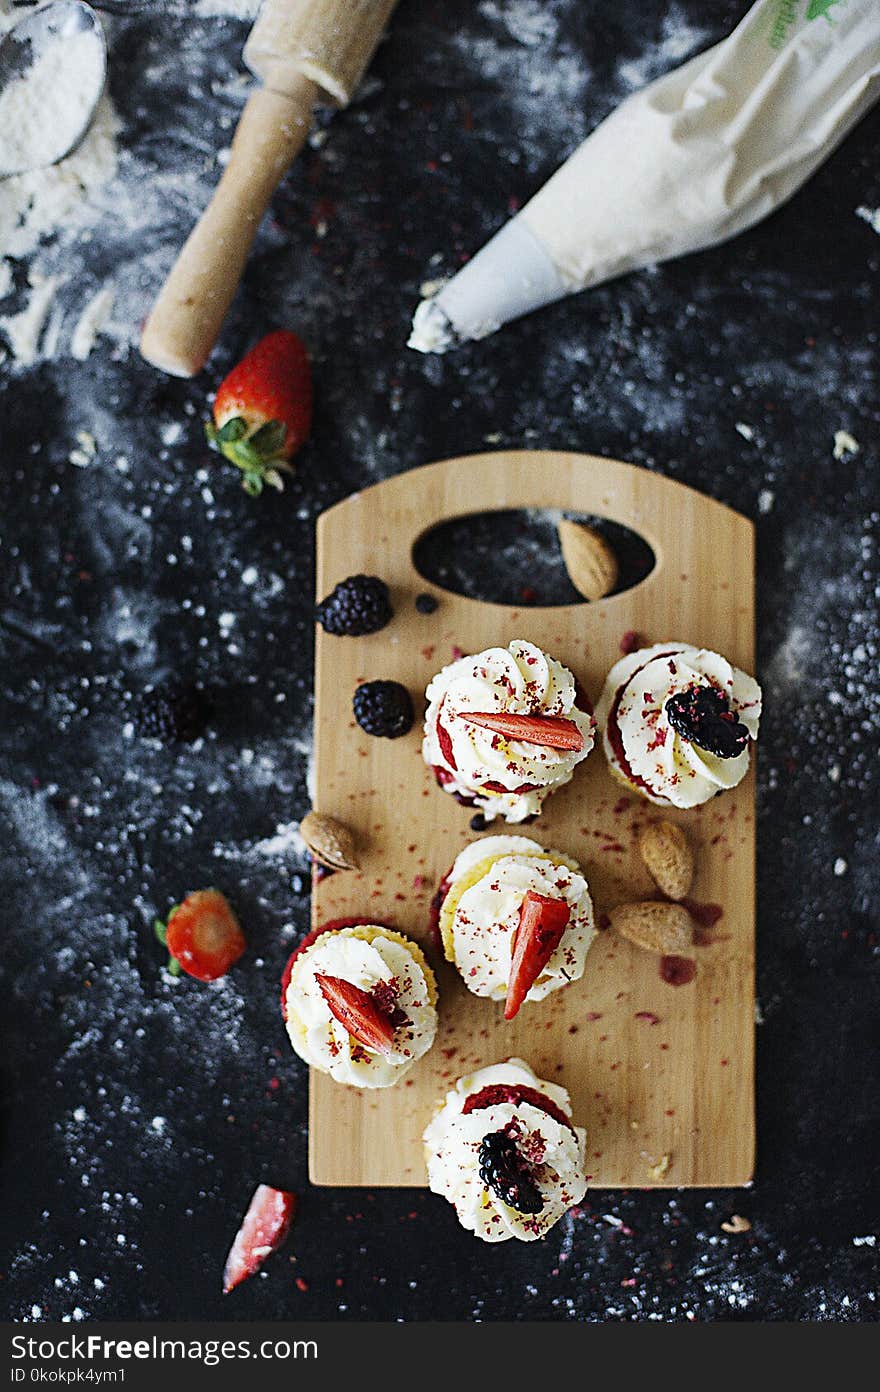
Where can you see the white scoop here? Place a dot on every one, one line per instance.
(53, 65)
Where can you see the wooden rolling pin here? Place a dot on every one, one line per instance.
(303, 51)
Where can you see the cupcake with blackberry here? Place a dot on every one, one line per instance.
(503, 730)
(503, 1150)
(516, 919)
(360, 1003)
(677, 723)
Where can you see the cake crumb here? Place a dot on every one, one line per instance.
(661, 1169)
(845, 445)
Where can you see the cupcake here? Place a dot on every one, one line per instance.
(360, 1003)
(677, 722)
(502, 1149)
(516, 919)
(502, 730)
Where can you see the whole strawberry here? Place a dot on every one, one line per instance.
(202, 935)
(263, 410)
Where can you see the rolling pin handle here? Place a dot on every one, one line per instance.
(186, 319)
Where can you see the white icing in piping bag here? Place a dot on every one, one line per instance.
(689, 161)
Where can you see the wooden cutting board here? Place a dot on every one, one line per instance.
(661, 1076)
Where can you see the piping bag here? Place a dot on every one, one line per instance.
(685, 163)
(304, 51)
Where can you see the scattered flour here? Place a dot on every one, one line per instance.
(869, 215)
(35, 205)
(527, 21)
(677, 41)
(24, 331)
(90, 323)
(537, 76)
(286, 841)
(233, 9)
(45, 109)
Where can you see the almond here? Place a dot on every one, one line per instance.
(329, 841)
(668, 858)
(658, 927)
(736, 1224)
(589, 560)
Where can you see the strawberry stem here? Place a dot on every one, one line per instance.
(259, 456)
(172, 966)
(551, 731)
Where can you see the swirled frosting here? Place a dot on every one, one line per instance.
(553, 1153)
(640, 743)
(487, 885)
(503, 777)
(383, 963)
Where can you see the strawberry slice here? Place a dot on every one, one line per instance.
(331, 926)
(553, 731)
(496, 1094)
(263, 1230)
(444, 739)
(203, 935)
(542, 922)
(263, 410)
(358, 1012)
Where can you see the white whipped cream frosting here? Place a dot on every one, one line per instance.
(521, 680)
(674, 770)
(323, 1041)
(556, 1155)
(487, 914)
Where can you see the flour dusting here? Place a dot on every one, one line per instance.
(44, 109)
(232, 9)
(678, 40)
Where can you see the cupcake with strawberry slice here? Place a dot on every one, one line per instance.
(516, 919)
(360, 1003)
(503, 1150)
(503, 731)
(678, 722)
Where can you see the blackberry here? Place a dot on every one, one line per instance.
(478, 822)
(426, 603)
(357, 606)
(170, 712)
(383, 708)
(702, 716)
(503, 1169)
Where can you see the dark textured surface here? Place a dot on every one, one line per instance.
(140, 1113)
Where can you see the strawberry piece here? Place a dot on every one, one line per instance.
(263, 410)
(333, 925)
(204, 936)
(358, 1012)
(542, 922)
(498, 1093)
(264, 1228)
(553, 731)
(444, 739)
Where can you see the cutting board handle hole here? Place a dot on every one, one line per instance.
(513, 557)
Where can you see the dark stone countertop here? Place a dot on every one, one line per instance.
(139, 1114)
